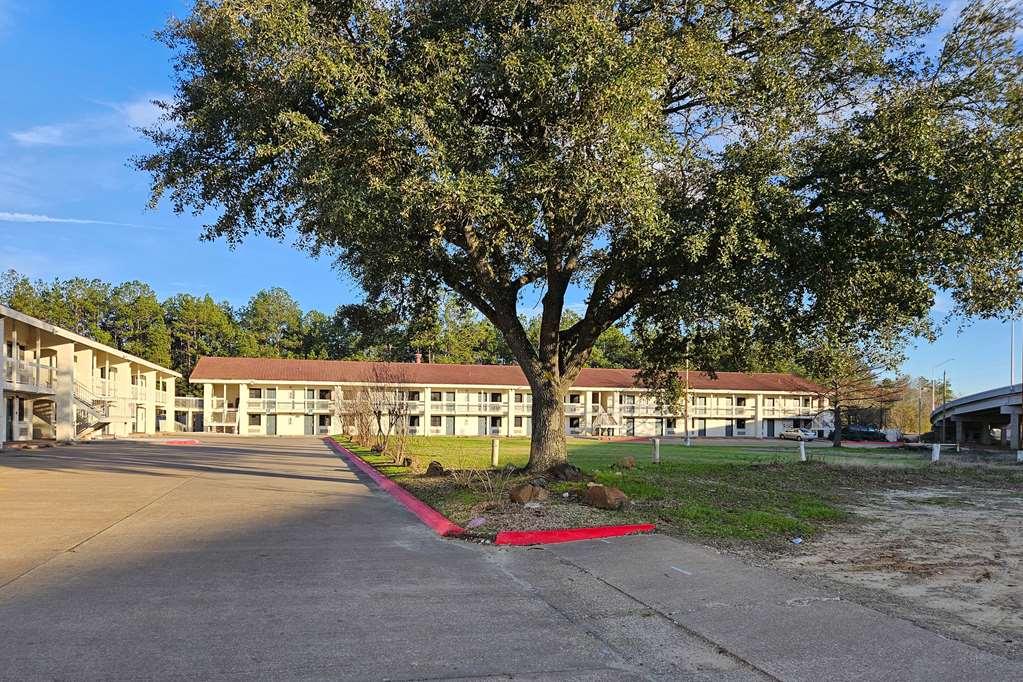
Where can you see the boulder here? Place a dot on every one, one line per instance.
(605, 497)
(527, 492)
(565, 472)
(627, 463)
(435, 468)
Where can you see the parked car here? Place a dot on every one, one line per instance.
(863, 433)
(798, 433)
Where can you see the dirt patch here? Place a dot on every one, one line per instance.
(948, 558)
(484, 515)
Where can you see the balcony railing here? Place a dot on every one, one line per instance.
(188, 403)
(37, 374)
(264, 405)
(782, 411)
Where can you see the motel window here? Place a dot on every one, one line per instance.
(806, 401)
(449, 396)
(495, 397)
(574, 398)
(324, 394)
(740, 424)
(518, 422)
(255, 393)
(310, 394)
(740, 402)
(413, 395)
(573, 422)
(255, 419)
(625, 399)
(436, 421)
(413, 421)
(495, 422)
(324, 420)
(435, 397)
(518, 397)
(669, 423)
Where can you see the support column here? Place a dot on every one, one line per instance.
(38, 356)
(588, 412)
(64, 426)
(207, 405)
(243, 409)
(511, 412)
(758, 419)
(1014, 431)
(985, 434)
(150, 402)
(427, 411)
(960, 435)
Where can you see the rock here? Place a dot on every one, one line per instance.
(627, 463)
(526, 492)
(476, 522)
(435, 468)
(533, 505)
(565, 472)
(605, 497)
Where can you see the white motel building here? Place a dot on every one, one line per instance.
(58, 385)
(264, 396)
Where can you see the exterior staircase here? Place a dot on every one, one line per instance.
(604, 421)
(92, 413)
(43, 420)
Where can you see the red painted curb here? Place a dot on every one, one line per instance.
(189, 441)
(547, 537)
(431, 517)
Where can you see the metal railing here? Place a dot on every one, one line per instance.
(185, 402)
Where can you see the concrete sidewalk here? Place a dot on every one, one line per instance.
(773, 623)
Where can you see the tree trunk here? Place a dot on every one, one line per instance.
(836, 435)
(548, 446)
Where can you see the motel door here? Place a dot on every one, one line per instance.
(770, 428)
(10, 420)
(449, 425)
(701, 428)
(271, 424)
(730, 429)
(310, 425)
(483, 430)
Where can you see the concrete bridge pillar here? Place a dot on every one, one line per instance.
(1014, 431)
(960, 431)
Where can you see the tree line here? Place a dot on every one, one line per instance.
(178, 330)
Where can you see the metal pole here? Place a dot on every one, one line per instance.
(944, 391)
(687, 395)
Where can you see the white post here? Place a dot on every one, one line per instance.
(1019, 456)
(935, 452)
(802, 451)
(657, 450)
(495, 452)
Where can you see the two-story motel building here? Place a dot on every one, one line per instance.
(263, 396)
(57, 384)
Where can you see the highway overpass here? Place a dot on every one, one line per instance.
(971, 418)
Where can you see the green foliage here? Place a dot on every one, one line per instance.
(136, 322)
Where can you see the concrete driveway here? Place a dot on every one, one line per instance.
(270, 558)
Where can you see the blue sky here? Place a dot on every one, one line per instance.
(77, 77)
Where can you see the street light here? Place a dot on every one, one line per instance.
(943, 392)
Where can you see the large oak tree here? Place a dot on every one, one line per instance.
(689, 161)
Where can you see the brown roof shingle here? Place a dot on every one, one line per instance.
(299, 371)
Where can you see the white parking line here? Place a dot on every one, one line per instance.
(683, 572)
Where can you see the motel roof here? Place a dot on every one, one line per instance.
(241, 370)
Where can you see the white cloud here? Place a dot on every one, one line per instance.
(119, 126)
(14, 217)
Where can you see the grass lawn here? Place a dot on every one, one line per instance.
(726, 493)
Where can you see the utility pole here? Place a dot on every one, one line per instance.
(944, 399)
